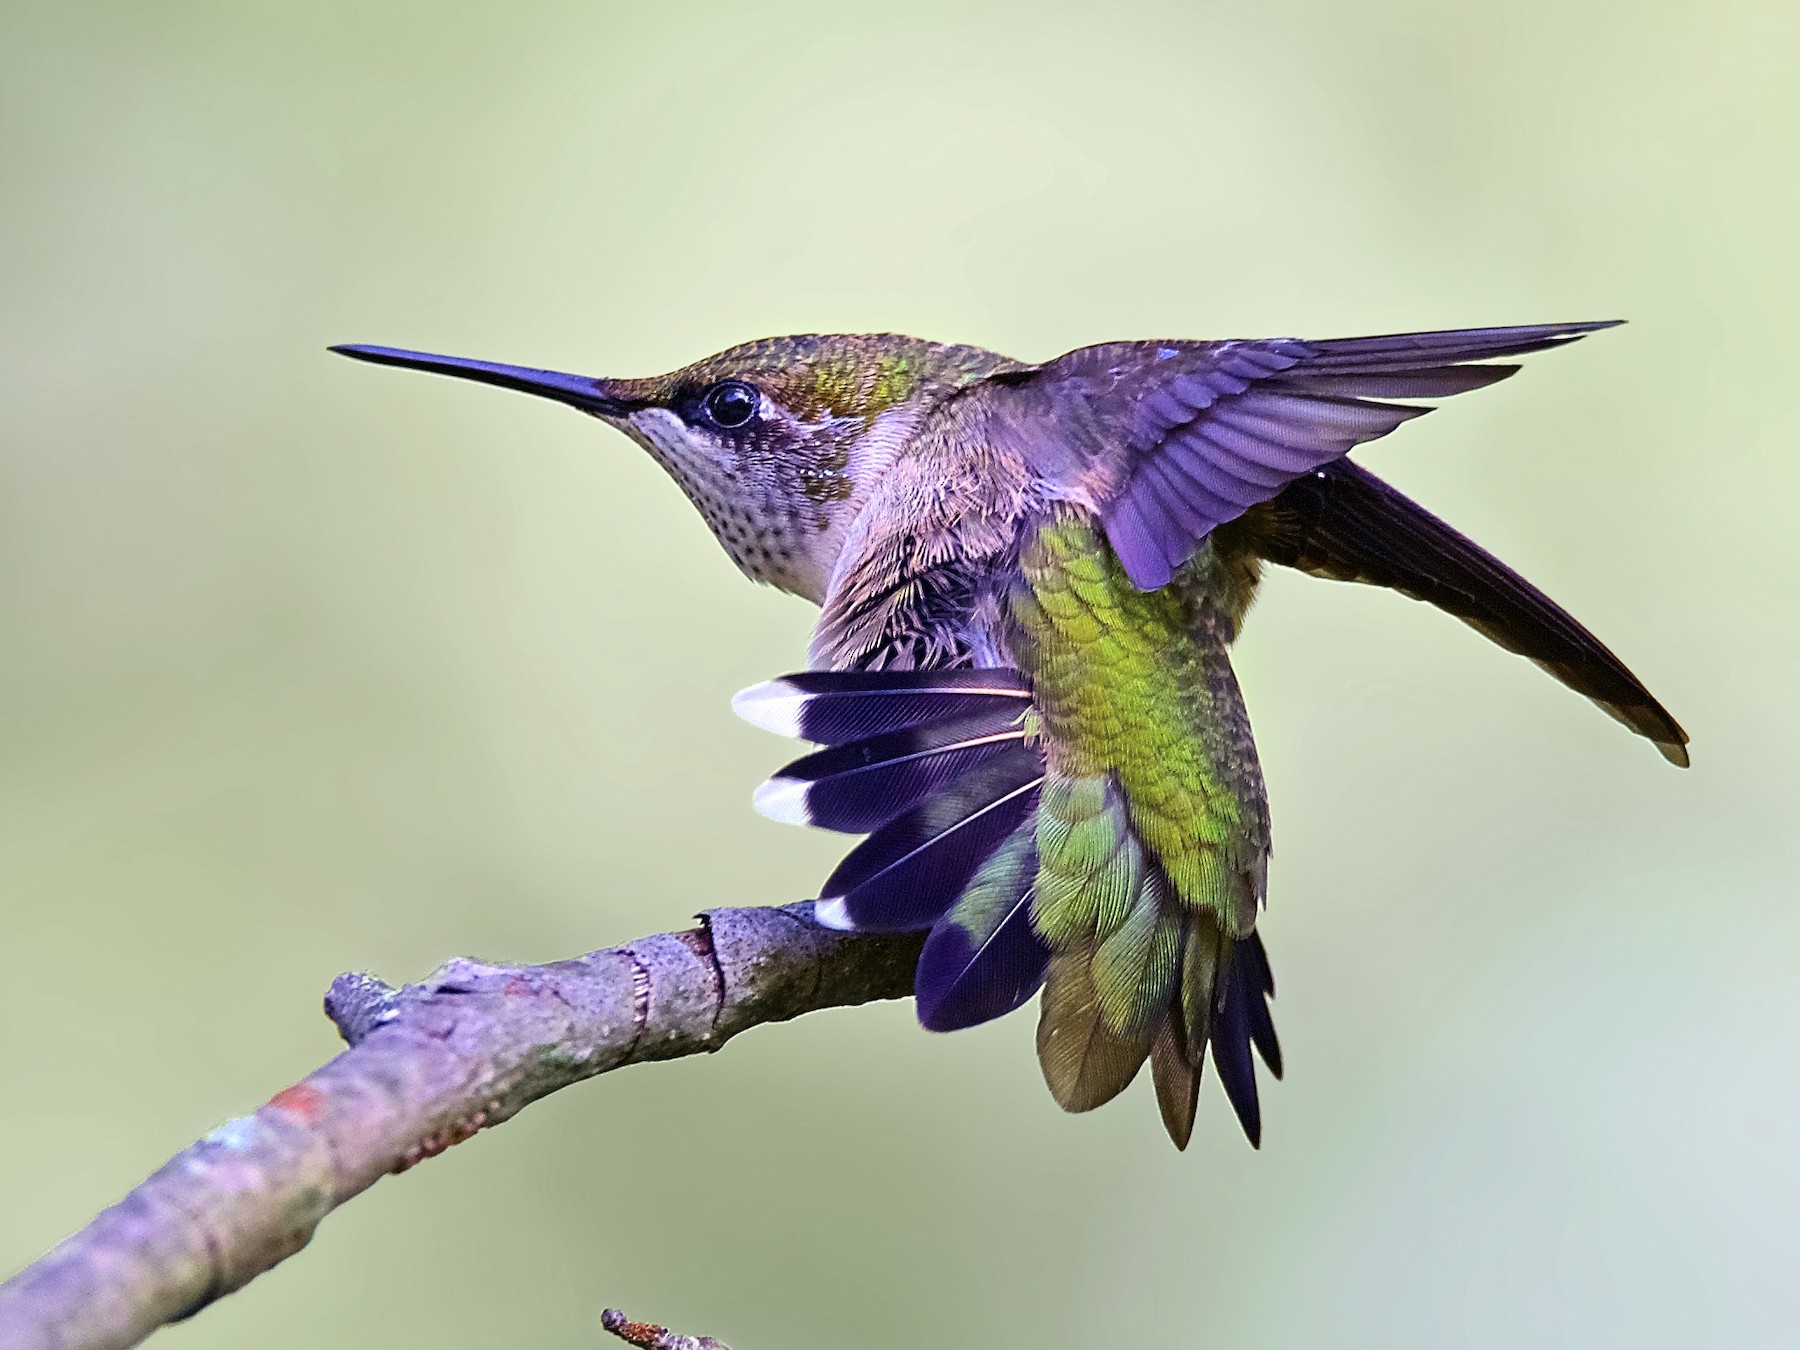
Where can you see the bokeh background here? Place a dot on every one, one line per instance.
(306, 666)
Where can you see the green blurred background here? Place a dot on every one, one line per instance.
(307, 667)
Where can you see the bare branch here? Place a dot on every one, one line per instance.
(428, 1066)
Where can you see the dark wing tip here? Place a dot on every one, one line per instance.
(1346, 524)
(1571, 331)
(1557, 334)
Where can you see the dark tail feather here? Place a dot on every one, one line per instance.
(1344, 523)
(1251, 973)
(1230, 1036)
(1222, 1003)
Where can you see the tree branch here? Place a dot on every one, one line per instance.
(428, 1066)
(649, 1336)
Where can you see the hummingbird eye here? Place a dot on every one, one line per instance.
(730, 403)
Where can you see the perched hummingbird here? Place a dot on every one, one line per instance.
(1030, 576)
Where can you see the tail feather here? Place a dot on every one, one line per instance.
(1135, 966)
(1086, 1061)
(1255, 984)
(1176, 1074)
(1222, 1006)
(1115, 929)
(1230, 1037)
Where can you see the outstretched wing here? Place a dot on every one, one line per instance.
(1346, 524)
(1172, 440)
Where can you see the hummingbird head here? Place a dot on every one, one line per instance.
(777, 442)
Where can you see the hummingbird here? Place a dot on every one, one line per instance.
(1030, 576)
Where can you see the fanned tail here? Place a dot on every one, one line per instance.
(1115, 934)
(1222, 1003)
(1137, 974)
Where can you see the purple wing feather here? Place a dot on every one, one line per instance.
(1208, 430)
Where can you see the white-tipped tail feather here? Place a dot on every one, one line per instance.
(773, 705)
(784, 799)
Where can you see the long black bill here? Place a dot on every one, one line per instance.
(578, 391)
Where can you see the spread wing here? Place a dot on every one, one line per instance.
(1346, 524)
(1172, 440)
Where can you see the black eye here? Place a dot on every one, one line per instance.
(730, 403)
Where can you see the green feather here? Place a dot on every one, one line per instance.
(1152, 832)
(1134, 965)
(1085, 1063)
(1090, 867)
(1176, 1074)
(1135, 687)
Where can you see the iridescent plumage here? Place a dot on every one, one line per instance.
(1030, 578)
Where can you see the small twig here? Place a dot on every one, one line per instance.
(649, 1336)
(428, 1066)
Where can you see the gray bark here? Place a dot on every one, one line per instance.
(428, 1066)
